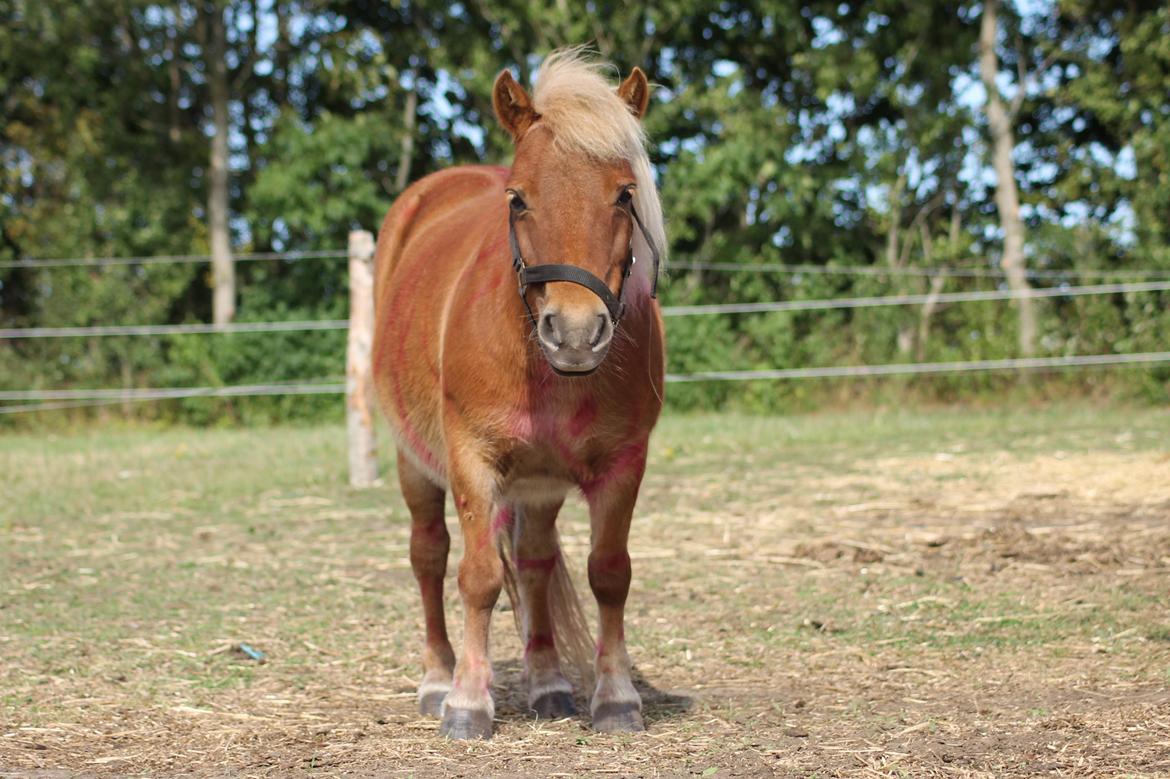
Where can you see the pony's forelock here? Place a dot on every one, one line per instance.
(584, 112)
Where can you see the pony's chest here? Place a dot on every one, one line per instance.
(568, 421)
(562, 439)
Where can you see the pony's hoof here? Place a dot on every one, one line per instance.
(618, 718)
(465, 724)
(554, 705)
(430, 704)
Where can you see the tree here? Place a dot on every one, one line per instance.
(218, 184)
(1007, 194)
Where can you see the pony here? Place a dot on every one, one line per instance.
(519, 355)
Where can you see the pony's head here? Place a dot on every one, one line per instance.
(580, 185)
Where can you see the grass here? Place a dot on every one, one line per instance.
(834, 594)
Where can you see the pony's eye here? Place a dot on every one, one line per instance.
(517, 204)
(626, 197)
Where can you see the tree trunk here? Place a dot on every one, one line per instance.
(283, 47)
(895, 219)
(895, 254)
(176, 85)
(937, 282)
(1007, 197)
(402, 178)
(222, 264)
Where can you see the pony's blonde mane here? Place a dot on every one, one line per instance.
(583, 110)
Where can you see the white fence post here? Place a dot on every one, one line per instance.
(359, 384)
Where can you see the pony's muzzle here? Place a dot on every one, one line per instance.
(574, 341)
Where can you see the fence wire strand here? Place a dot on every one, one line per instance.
(819, 304)
(682, 267)
(912, 369)
(167, 259)
(914, 299)
(878, 270)
(62, 399)
(50, 400)
(182, 329)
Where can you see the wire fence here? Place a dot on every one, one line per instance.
(915, 369)
(819, 304)
(915, 299)
(960, 272)
(975, 267)
(47, 400)
(183, 329)
(69, 399)
(21, 401)
(168, 259)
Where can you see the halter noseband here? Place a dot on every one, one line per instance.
(542, 274)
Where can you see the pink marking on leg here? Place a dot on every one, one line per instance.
(617, 562)
(433, 531)
(631, 458)
(502, 520)
(539, 642)
(584, 417)
(545, 564)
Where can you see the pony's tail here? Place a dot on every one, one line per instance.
(570, 627)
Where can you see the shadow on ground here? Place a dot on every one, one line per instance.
(511, 703)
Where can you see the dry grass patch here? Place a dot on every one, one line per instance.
(943, 594)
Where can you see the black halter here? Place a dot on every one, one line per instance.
(542, 274)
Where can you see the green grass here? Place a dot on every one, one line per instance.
(132, 560)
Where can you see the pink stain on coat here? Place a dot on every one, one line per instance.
(539, 642)
(545, 564)
(630, 459)
(401, 360)
(584, 417)
(503, 520)
(618, 562)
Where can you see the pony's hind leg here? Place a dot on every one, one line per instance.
(429, 544)
(536, 553)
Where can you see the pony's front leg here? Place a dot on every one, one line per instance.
(468, 709)
(616, 705)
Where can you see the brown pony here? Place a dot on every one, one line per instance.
(512, 400)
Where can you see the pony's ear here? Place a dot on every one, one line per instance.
(512, 104)
(635, 92)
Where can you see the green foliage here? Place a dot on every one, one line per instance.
(317, 192)
(824, 133)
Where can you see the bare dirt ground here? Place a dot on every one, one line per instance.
(936, 595)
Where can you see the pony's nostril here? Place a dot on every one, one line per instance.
(548, 330)
(602, 330)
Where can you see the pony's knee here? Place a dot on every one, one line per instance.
(480, 581)
(429, 545)
(609, 577)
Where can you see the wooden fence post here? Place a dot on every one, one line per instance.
(359, 384)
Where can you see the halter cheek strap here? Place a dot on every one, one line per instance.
(542, 274)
